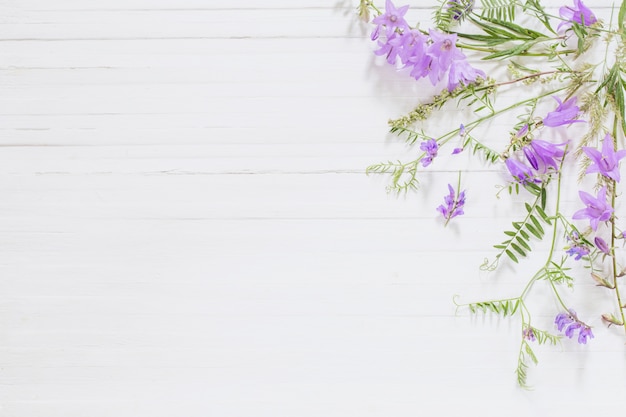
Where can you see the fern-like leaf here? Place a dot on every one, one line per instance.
(499, 9)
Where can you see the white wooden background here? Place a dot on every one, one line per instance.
(186, 228)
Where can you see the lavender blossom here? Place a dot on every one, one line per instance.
(443, 51)
(570, 323)
(461, 72)
(430, 147)
(597, 210)
(607, 161)
(578, 251)
(578, 14)
(578, 248)
(392, 20)
(453, 204)
(529, 334)
(564, 114)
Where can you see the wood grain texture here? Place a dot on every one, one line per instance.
(186, 228)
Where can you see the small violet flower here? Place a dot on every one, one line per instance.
(570, 322)
(607, 161)
(453, 204)
(462, 134)
(529, 334)
(564, 114)
(430, 147)
(392, 19)
(578, 252)
(460, 8)
(578, 14)
(597, 210)
(578, 248)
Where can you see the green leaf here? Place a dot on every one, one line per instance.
(514, 51)
(532, 230)
(510, 255)
(528, 207)
(523, 243)
(500, 9)
(518, 249)
(621, 16)
(509, 233)
(537, 224)
(543, 215)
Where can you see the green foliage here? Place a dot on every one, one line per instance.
(535, 7)
(403, 176)
(527, 355)
(451, 12)
(499, 9)
(557, 273)
(410, 136)
(506, 307)
(489, 155)
(517, 243)
(614, 86)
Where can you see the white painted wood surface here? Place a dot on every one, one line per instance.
(186, 228)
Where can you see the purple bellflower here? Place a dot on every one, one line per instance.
(597, 210)
(607, 161)
(389, 50)
(570, 323)
(542, 154)
(564, 114)
(578, 14)
(520, 172)
(462, 72)
(602, 245)
(430, 147)
(453, 204)
(411, 43)
(392, 19)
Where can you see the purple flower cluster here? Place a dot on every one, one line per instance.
(578, 248)
(580, 14)
(570, 322)
(453, 204)
(598, 209)
(433, 56)
(430, 147)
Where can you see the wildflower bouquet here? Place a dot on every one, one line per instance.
(567, 76)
